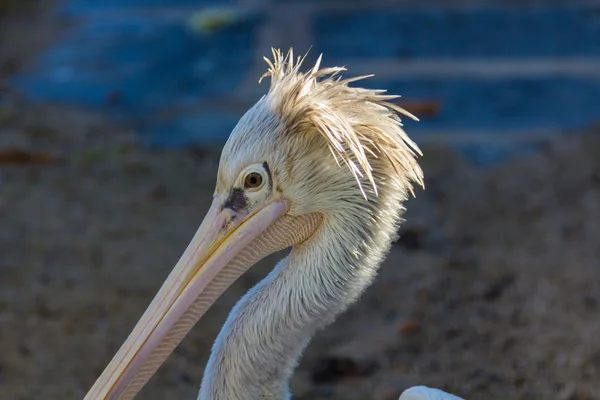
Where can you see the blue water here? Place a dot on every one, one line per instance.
(148, 64)
(443, 32)
(503, 104)
(79, 7)
(137, 64)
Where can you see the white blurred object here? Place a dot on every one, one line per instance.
(426, 393)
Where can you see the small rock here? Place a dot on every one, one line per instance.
(410, 327)
(400, 368)
(386, 393)
(331, 369)
(495, 290)
(411, 239)
(590, 302)
(14, 156)
(185, 378)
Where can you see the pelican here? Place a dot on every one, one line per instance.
(315, 165)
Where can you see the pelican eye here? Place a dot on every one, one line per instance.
(253, 181)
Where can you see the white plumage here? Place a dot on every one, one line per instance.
(315, 165)
(426, 393)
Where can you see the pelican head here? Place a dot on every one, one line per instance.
(315, 165)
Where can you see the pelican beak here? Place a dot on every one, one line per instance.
(217, 255)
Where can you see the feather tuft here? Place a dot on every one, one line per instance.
(358, 124)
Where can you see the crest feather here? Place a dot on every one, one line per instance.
(359, 125)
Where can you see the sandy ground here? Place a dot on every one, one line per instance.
(491, 293)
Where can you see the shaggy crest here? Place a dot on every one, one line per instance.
(354, 121)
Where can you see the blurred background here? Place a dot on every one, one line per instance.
(112, 115)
